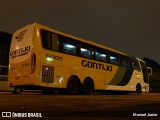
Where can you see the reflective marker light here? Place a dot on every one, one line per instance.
(61, 79)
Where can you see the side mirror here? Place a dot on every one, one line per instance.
(149, 70)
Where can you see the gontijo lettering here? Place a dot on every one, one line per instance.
(20, 52)
(96, 65)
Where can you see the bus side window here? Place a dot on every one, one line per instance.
(100, 55)
(114, 59)
(85, 52)
(125, 61)
(69, 48)
(55, 42)
(50, 40)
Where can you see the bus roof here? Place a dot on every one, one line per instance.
(77, 38)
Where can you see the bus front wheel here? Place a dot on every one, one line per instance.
(88, 86)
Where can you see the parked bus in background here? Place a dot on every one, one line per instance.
(5, 41)
(47, 59)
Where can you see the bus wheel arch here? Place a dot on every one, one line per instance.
(88, 86)
(138, 88)
(73, 85)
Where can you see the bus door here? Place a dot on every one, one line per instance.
(144, 72)
(145, 76)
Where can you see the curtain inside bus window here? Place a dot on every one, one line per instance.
(50, 40)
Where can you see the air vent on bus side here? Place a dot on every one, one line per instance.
(47, 74)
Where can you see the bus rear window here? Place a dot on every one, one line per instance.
(50, 40)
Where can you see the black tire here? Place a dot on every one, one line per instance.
(73, 86)
(88, 86)
(138, 89)
(18, 90)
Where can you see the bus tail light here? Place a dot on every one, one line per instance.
(33, 63)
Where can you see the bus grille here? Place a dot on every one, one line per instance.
(47, 74)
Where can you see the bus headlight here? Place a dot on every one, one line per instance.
(145, 88)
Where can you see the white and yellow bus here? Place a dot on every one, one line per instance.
(47, 59)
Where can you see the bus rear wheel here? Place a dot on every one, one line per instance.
(73, 86)
(88, 86)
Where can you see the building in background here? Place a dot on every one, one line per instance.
(5, 41)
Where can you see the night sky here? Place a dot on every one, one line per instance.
(130, 26)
